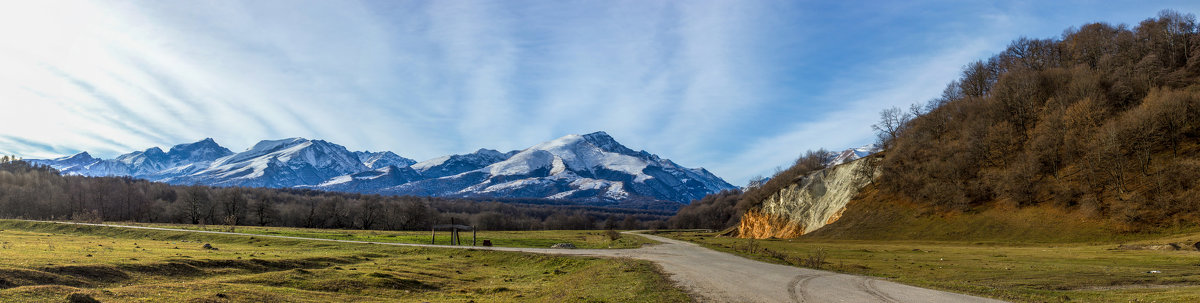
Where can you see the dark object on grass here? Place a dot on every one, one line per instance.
(208, 246)
(489, 243)
(612, 235)
(81, 298)
(563, 245)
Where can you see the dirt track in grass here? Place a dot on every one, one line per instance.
(713, 276)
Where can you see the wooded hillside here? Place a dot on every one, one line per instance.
(1101, 122)
(1104, 119)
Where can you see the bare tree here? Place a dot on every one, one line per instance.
(892, 122)
(263, 211)
(197, 201)
(233, 202)
(370, 212)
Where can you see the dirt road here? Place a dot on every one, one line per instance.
(713, 276)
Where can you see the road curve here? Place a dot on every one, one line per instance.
(713, 276)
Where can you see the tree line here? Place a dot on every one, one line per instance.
(40, 192)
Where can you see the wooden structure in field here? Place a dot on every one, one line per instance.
(454, 228)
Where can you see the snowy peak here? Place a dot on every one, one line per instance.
(143, 162)
(606, 143)
(592, 167)
(280, 163)
(492, 154)
(83, 157)
(153, 154)
(203, 150)
(851, 154)
(578, 153)
(84, 164)
(268, 146)
(457, 164)
(382, 159)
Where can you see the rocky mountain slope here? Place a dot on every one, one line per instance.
(151, 164)
(592, 167)
(819, 198)
(588, 167)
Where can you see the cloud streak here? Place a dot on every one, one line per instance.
(739, 87)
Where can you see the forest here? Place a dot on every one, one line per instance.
(1103, 120)
(39, 192)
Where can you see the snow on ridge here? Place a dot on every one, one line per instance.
(430, 163)
(522, 163)
(336, 180)
(591, 166)
(580, 154)
(617, 191)
(381, 159)
(514, 184)
(850, 154)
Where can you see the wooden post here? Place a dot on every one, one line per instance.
(432, 234)
(473, 235)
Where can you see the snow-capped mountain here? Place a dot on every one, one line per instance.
(84, 164)
(151, 164)
(592, 167)
(457, 164)
(851, 154)
(279, 163)
(383, 159)
(588, 167)
(370, 181)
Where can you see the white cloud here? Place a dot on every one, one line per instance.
(898, 82)
(706, 83)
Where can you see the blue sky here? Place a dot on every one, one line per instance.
(738, 87)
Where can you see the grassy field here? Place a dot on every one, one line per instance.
(1023, 272)
(47, 262)
(539, 238)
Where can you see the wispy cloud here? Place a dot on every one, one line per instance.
(739, 87)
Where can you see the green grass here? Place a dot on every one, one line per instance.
(46, 262)
(874, 215)
(540, 238)
(1023, 272)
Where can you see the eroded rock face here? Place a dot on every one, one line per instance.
(817, 200)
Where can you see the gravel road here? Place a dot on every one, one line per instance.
(713, 276)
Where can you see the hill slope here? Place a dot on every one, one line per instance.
(1078, 137)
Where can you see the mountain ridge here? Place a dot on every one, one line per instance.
(593, 167)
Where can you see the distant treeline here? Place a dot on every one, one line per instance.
(40, 192)
(1104, 120)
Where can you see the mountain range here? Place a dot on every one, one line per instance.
(850, 154)
(593, 168)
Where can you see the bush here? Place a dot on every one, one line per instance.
(612, 235)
